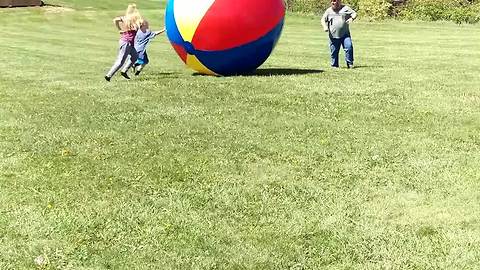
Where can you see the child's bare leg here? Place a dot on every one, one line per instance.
(139, 69)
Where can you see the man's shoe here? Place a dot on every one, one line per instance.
(107, 78)
(125, 75)
(137, 72)
(350, 65)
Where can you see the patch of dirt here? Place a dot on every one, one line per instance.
(55, 9)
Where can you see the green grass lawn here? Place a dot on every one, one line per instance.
(298, 166)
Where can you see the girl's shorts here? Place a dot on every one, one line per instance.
(140, 61)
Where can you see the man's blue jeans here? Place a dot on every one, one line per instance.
(335, 44)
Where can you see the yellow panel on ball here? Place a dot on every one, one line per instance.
(188, 15)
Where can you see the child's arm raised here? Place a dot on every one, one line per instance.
(117, 21)
(159, 32)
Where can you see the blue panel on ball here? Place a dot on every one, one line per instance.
(171, 25)
(242, 59)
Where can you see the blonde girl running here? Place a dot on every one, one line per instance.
(127, 26)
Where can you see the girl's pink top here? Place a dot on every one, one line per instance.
(129, 36)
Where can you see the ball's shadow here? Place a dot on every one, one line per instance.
(148, 74)
(264, 72)
(282, 72)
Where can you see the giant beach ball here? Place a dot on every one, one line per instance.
(224, 37)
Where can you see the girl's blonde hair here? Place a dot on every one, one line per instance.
(133, 20)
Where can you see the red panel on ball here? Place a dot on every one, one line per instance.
(229, 24)
(180, 51)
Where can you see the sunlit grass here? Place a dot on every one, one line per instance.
(297, 166)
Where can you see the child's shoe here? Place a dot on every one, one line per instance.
(125, 75)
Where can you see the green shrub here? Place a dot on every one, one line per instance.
(355, 4)
(316, 6)
(464, 14)
(308, 6)
(374, 9)
(459, 11)
(430, 10)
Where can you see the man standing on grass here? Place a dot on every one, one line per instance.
(335, 21)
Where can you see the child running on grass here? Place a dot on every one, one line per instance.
(142, 39)
(128, 26)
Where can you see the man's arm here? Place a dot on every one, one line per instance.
(353, 15)
(325, 21)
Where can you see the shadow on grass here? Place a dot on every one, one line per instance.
(282, 71)
(149, 74)
(261, 72)
(367, 67)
